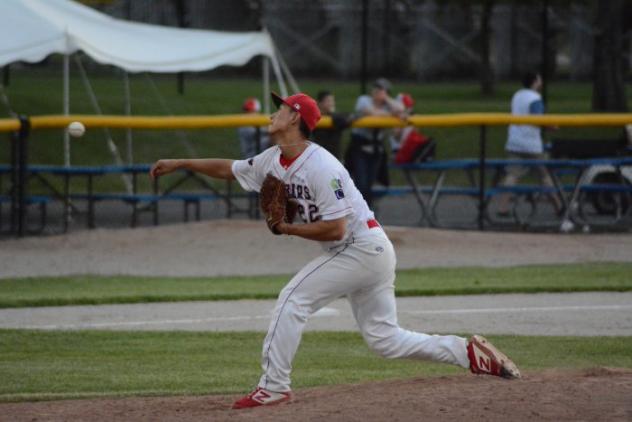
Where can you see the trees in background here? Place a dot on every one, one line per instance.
(608, 58)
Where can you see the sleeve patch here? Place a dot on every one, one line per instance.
(336, 185)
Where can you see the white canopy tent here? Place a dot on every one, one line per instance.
(30, 30)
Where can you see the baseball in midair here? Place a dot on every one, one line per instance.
(76, 129)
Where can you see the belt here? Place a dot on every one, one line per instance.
(372, 223)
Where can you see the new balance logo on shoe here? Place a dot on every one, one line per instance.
(484, 364)
(487, 359)
(262, 397)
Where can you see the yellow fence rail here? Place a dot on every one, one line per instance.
(20, 155)
(236, 120)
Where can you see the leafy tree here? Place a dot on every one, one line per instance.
(608, 65)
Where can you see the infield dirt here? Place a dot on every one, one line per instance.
(242, 247)
(597, 394)
(246, 247)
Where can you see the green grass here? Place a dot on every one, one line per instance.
(52, 291)
(34, 91)
(40, 365)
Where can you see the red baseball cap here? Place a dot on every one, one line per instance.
(303, 104)
(251, 104)
(406, 99)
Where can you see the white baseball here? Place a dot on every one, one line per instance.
(76, 129)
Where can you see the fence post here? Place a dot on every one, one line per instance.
(14, 181)
(481, 173)
(22, 175)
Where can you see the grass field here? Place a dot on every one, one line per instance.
(34, 91)
(40, 365)
(46, 365)
(36, 365)
(423, 282)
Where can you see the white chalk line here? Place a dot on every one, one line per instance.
(522, 309)
(332, 312)
(324, 312)
(152, 322)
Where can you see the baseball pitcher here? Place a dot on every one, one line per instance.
(296, 178)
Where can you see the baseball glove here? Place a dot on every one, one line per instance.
(275, 204)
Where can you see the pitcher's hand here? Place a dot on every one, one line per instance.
(162, 167)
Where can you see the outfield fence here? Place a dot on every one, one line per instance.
(20, 128)
(237, 120)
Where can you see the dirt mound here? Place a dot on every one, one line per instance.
(596, 394)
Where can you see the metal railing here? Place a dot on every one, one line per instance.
(21, 127)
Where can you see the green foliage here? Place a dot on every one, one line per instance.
(45, 365)
(52, 291)
(36, 92)
(32, 92)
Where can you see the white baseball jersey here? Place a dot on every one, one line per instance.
(361, 267)
(317, 180)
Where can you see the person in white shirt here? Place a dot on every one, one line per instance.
(524, 142)
(357, 262)
(365, 156)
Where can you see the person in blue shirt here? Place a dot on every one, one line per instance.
(524, 142)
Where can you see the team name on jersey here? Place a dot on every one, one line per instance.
(298, 191)
(308, 212)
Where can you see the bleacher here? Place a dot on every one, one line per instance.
(426, 196)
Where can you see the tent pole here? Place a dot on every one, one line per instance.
(286, 70)
(279, 76)
(128, 112)
(66, 65)
(266, 84)
(108, 135)
(182, 135)
(67, 205)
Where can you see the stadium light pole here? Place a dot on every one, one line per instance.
(364, 45)
(544, 70)
(482, 204)
(6, 72)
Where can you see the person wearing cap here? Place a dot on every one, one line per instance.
(365, 157)
(252, 140)
(396, 138)
(357, 260)
(330, 138)
(408, 144)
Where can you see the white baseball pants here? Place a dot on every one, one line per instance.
(364, 271)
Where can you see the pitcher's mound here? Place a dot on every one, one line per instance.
(598, 394)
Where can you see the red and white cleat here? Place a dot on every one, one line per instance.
(487, 359)
(262, 397)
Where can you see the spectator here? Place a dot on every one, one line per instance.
(524, 142)
(365, 157)
(252, 140)
(408, 144)
(330, 138)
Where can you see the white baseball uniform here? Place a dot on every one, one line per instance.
(361, 267)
